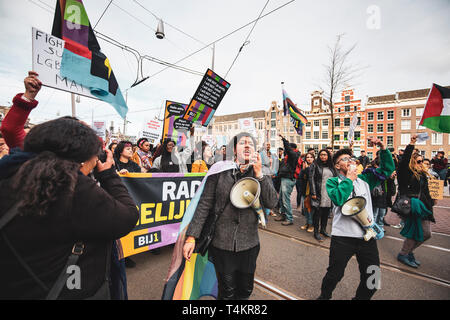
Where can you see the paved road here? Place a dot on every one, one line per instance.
(293, 261)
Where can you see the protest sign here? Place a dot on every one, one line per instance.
(47, 54)
(152, 130)
(162, 199)
(436, 188)
(207, 98)
(174, 126)
(100, 129)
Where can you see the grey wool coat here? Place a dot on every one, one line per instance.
(236, 229)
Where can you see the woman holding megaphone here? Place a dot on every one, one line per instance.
(234, 247)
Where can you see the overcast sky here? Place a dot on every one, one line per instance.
(403, 45)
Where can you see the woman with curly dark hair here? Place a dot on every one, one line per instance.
(50, 208)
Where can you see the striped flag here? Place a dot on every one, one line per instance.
(297, 118)
(436, 115)
(82, 61)
(191, 280)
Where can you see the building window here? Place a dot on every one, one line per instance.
(436, 138)
(316, 134)
(406, 124)
(316, 123)
(347, 108)
(359, 121)
(390, 127)
(337, 122)
(370, 128)
(273, 115)
(418, 126)
(370, 155)
(347, 98)
(298, 139)
(419, 112)
(405, 138)
(347, 122)
(325, 123)
(308, 135)
(324, 134)
(390, 114)
(345, 136)
(380, 127)
(380, 115)
(337, 137)
(273, 124)
(390, 141)
(308, 124)
(406, 112)
(357, 136)
(370, 116)
(355, 108)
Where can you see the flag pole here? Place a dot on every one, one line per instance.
(73, 105)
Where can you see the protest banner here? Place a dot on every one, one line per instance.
(47, 54)
(436, 188)
(174, 126)
(206, 99)
(162, 199)
(152, 130)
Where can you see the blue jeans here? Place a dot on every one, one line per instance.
(378, 215)
(285, 194)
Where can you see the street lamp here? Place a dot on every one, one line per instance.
(160, 30)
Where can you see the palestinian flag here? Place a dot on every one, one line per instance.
(297, 118)
(436, 115)
(82, 60)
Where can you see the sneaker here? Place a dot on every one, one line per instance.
(405, 260)
(304, 227)
(310, 229)
(287, 223)
(318, 237)
(272, 214)
(412, 258)
(397, 226)
(282, 218)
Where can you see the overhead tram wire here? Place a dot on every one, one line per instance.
(223, 37)
(104, 11)
(246, 41)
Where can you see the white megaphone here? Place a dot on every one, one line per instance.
(245, 193)
(356, 209)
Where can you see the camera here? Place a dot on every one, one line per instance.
(102, 156)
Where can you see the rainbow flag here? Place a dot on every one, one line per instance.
(297, 118)
(191, 280)
(82, 61)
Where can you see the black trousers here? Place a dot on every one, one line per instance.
(235, 272)
(320, 215)
(341, 250)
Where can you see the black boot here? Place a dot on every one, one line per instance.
(324, 233)
(245, 285)
(317, 236)
(227, 286)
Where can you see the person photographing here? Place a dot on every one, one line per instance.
(347, 236)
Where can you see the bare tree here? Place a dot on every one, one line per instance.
(339, 72)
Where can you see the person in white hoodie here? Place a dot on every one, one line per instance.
(347, 236)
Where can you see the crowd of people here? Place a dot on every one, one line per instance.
(62, 202)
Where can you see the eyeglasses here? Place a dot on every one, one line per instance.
(419, 161)
(346, 159)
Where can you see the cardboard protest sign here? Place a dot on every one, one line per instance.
(47, 56)
(162, 199)
(436, 188)
(174, 126)
(207, 98)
